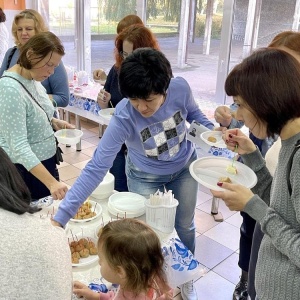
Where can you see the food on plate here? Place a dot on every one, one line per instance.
(84, 253)
(93, 251)
(82, 248)
(85, 212)
(225, 179)
(79, 247)
(212, 139)
(75, 257)
(231, 169)
(83, 241)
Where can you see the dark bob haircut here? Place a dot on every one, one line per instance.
(269, 83)
(146, 71)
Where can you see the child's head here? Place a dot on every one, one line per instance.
(130, 253)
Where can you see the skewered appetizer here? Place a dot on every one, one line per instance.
(84, 211)
(81, 249)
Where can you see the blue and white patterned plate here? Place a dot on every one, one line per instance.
(43, 202)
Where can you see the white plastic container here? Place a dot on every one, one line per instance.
(105, 188)
(68, 136)
(161, 217)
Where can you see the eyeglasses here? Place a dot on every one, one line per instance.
(124, 54)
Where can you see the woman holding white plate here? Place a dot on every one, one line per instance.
(266, 89)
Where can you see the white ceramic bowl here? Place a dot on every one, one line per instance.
(68, 136)
(105, 188)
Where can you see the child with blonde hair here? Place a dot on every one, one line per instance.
(129, 255)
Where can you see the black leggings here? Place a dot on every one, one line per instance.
(246, 230)
(37, 188)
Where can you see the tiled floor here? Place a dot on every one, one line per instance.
(217, 243)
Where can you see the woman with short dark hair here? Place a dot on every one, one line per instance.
(151, 121)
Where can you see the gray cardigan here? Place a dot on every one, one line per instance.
(278, 266)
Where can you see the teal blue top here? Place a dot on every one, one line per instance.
(25, 132)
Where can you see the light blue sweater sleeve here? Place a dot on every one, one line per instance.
(94, 172)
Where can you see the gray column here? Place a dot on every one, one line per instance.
(183, 33)
(225, 46)
(83, 34)
(208, 26)
(141, 9)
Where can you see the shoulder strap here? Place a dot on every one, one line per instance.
(12, 52)
(289, 166)
(24, 87)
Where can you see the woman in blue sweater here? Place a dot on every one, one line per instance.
(129, 39)
(151, 121)
(26, 24)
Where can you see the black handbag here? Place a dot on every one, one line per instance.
(59, 152)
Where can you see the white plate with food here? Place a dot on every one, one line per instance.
(210, 170)
(126, 204)
(106, 113)
(213, 138)
(88, 211)
(83, 250)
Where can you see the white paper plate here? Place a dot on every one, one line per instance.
(208, 170)
(127, 204)
(217, 135)
(98, 211)
(87, 260)
(106, 113)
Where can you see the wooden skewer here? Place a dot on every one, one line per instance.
(95, 206)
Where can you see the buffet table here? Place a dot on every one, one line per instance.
(88, 270)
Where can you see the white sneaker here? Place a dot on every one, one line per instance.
(188, 291)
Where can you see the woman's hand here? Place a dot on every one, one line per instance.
(81, 290)
(103, 98)
(61, 124)
(233, 137)
(58, 190)
(223, 115)
(235, 196)
(98, 74)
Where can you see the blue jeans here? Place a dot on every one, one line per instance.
(184, 188)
